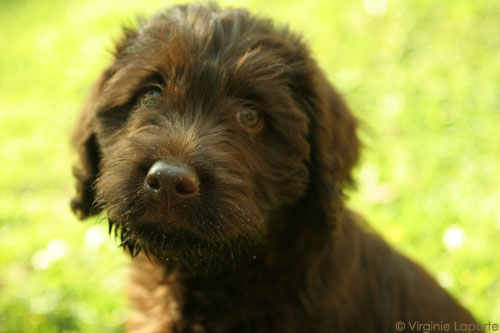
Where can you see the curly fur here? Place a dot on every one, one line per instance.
(267, 245)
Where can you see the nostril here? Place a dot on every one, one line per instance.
(186, 187)
(153, 182)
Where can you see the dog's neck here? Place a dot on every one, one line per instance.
(282, 268)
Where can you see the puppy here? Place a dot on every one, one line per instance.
(220, 153)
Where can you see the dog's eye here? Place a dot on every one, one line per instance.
(249, 118)
(149, 97)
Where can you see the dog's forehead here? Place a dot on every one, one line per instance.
(200, 41)
(207, 57)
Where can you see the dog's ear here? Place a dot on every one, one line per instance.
(87, 166)
(334, 144)
(86, 169)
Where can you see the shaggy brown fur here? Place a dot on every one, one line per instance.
(252, 234)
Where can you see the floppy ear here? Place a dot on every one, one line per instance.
(87, 167)
(335, 143)
(334, 146)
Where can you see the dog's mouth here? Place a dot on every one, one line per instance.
(181, 247)
(152, 239)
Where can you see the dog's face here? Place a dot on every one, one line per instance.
(203, 126)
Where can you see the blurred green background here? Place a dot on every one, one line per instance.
(423, 75)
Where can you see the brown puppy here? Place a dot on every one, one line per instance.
(219, 150)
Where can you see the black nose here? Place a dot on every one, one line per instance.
(172, 183)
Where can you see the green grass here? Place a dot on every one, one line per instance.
(424, 76)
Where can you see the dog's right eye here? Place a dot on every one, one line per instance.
(150, 96)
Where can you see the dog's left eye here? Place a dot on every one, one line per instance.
(149, 97)
(249, 118)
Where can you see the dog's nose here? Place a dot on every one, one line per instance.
(172, 183)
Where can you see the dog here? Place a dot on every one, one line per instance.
(220, 153)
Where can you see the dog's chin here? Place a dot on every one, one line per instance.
(181, 249)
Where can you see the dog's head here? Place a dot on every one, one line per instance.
(206, 123)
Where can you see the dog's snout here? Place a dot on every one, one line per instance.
(172, 183)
